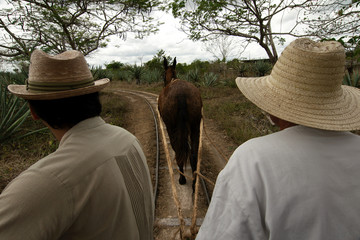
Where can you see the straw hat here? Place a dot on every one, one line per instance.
(60, 76)
(305, 87)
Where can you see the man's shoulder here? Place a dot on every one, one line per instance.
(269, 139)
(296, 134)
(269, 146)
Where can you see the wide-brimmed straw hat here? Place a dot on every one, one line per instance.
(60, 76)
(305, 87)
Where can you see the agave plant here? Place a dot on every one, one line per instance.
(353, 80)
(210, 79)
(262, 68)
(13, 110)
(99, 73)
(193, 76)
(241, 69)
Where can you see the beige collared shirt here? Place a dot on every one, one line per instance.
(96, 185)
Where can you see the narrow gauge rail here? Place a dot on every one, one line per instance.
(177, 215)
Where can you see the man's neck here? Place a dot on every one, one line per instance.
(58, 133)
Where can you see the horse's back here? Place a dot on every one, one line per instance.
(177, 91)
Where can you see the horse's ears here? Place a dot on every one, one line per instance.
(174, 62)
(165, 63)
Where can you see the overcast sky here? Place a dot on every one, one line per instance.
(175, 43)
(169, 38)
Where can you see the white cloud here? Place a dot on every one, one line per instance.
(173, 41)
(176, 44)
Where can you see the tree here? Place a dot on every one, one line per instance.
(59, 25)
(156, 63)
(223, 48)
(335, 20)
(250, 20)
(114, 65)
(332, 18)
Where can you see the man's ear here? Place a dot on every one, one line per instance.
(33, 114)
(281, 123)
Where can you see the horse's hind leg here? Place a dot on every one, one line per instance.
(182, 179)
(179, 152)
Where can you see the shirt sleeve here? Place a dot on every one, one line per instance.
(34, 206)
(234, 211)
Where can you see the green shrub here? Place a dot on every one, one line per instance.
(137, 72)
(151, 76)
(122, 75)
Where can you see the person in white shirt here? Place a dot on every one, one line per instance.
(303, 181)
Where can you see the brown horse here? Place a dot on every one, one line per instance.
(180, 108)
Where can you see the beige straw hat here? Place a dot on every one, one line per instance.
(305, 87)
(60, 76)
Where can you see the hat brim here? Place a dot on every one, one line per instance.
(21, 91)
(338, 113)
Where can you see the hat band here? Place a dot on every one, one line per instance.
(55, 86)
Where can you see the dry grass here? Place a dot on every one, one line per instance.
(240, 118)
(17, 155)
(113, 110)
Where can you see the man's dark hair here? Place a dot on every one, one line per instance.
(67, 112)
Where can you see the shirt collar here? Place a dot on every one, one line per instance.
(85, 124)
(302, 128)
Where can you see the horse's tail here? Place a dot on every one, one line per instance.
(182, 148)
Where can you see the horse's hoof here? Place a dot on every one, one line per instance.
(182, 180)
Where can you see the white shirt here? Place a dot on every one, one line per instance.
(299, 183)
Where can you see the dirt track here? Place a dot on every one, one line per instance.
(139, 121)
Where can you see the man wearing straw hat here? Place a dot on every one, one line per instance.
(96, 185)
(303, 181)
